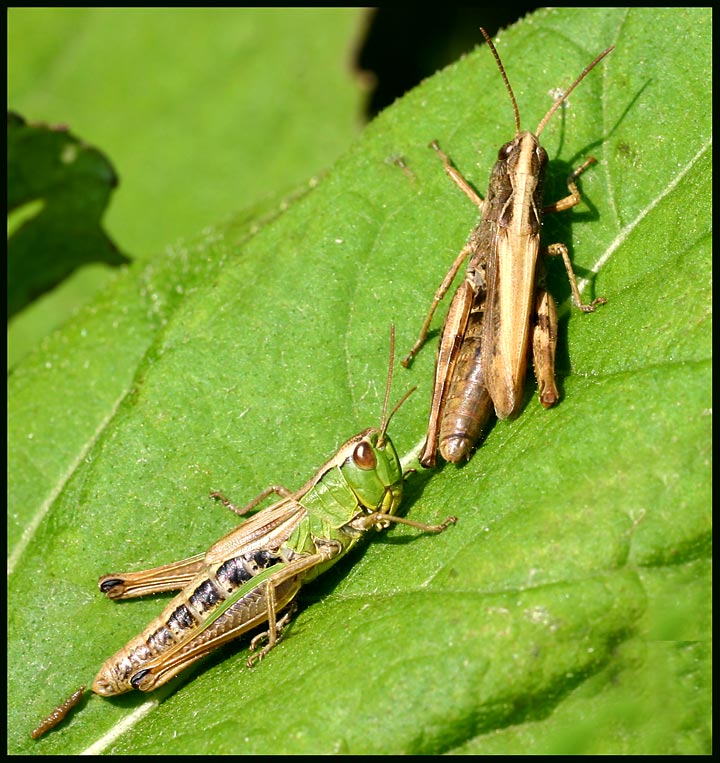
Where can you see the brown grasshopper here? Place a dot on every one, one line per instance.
(502, 304)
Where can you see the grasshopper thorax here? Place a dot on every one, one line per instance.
(522, 166)
(523, 156)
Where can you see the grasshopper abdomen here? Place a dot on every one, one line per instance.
(183, 615)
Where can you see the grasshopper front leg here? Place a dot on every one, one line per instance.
(567, 202)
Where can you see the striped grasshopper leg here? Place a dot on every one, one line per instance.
(170, 577)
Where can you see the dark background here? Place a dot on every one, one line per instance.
(400, 49)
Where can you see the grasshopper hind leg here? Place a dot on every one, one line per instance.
(169, 577)
(254, 604)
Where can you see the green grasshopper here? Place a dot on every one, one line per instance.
(254, 573)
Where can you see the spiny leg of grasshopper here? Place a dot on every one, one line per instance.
(168, 577)
(439, 294)
(567, 202)
(270, 637)
(468, 250)
(544, 343)
(544, 331)
(280, 490)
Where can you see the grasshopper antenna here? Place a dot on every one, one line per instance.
(558, 101)
(385, 422)
(505, 79)
(572, 87)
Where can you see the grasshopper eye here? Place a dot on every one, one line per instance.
(364, 456)
(506, 150)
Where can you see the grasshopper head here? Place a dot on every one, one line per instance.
(374, 473)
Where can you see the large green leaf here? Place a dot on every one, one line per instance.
(568, 610)
(203, 110)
